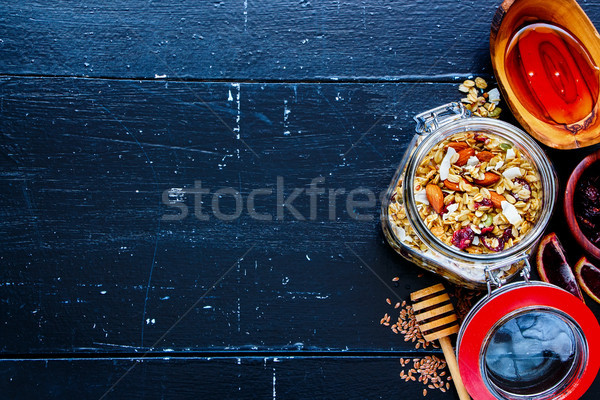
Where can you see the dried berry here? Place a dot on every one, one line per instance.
(490, 242)
(463, 238)
(483, 203)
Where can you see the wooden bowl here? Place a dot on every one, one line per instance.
(511, 16)
(589, 247)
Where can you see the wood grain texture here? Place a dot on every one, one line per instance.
(215, 378)
(246, 39)
(90, 266)
(104, 107)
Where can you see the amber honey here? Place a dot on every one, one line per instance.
(553, 75)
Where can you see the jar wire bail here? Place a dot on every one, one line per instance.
(431, 120)
(492, 277)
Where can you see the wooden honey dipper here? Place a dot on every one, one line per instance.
(436, 319)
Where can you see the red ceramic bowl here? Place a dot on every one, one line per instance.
(591, 160)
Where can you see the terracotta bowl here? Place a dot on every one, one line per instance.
(591, 160)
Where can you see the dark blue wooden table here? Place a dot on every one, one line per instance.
(146, 148)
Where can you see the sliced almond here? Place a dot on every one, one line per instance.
(452, 185)
(435, 197)
(488, 179)
(458, 146)
(485, 156)
(464, 155)
(460, 186)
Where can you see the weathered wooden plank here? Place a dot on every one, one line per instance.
(217, 378)
(249, 40)
(87, 264)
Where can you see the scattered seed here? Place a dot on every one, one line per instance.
(388, 301)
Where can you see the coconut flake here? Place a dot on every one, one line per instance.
(494, 96)
(512, 173)
(510, 212)
(445, 165)
(451, 208)
(499, 165)
(472, 161)
(510, 154)
(401, 234)
(421, 197)
(475, 241)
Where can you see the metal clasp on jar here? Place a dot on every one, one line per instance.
(492, 276)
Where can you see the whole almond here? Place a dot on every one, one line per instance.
(458, 146)
(452, 185)
(464, 155)
(435, 197)
(488, 179)
(496, 199)
(485, 156)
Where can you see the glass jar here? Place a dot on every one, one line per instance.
(422, 247)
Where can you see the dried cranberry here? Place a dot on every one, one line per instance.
(524, 184)
(487, 229)
(463, 238)
(483, 203)
(506, 235)
(480, 138)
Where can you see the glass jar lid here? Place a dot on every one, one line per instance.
(529, 341)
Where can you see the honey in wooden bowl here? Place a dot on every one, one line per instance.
(553, 75)
(546, 54)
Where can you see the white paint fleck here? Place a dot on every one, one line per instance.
(103, 292)
(230, 97)
(274, 384)
(207, 307)
(156, 76)
(307, 257)
(238, 117)
(239, 314)
(286, 113)
(245, 15)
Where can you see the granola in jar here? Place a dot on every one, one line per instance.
(474, 191)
